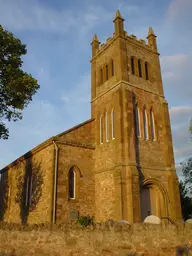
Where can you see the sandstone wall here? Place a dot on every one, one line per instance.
(40, 166)
(102, 239)
(76, 149)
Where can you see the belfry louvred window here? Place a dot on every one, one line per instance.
(107, 72)
(101, 75)
(139, 68)
(132, 65)
(112, 68)
(146, 71)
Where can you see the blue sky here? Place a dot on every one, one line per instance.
(58, 36)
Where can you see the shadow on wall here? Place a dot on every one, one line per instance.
(141, 177)
(4, 193)
(29, 188)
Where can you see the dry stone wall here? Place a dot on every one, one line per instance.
(99, 239)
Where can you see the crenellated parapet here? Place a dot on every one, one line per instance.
(119, 31)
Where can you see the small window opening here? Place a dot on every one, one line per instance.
(139, 68)
(146, 71)
(132, 66)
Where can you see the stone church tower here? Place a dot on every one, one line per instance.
(117, 165)
(134, 163)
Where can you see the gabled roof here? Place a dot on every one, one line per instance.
(43, 145)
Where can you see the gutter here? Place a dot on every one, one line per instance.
(55, 182)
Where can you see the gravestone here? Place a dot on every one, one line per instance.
(74, 215)
(123, 222)
(152, 219)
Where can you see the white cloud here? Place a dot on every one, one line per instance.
(176, 72)
(177, 8)
(180, 114)
(180, 117)
(34, 16)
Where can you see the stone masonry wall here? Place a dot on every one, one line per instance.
(41, 164)
(101, 239)
(76, 149)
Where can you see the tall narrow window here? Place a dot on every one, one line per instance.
(113, 123)
(106, 126)
(112, 68)
(139, 68)
(101, 75)
(71, 183)
(132, 66)
(107, 74)
(145, 124)
(101, 129)
(146, 71)
(152, 124)
(137, 119)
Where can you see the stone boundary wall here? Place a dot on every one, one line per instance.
(106, 239)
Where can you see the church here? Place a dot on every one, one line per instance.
(117, 165)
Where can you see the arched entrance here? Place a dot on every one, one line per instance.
(153, 199)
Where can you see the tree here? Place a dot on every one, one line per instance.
(187, 173)
(186, 201)
(185, 188)
(16, 86)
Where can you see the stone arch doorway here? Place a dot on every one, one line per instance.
(153, 199)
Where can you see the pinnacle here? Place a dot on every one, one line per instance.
(95, 38)
(118, 15)
(151, 32)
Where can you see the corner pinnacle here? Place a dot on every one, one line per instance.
(118, 15)
(151, 32)
(95, 38)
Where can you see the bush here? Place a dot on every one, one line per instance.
(85, 220)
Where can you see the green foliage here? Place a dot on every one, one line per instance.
(16, 86)
(187, 173)
(190, 126)
(4, 190)
(85, 220)
(185, 188)
(186, 201)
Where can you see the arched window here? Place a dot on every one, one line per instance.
(72, 183)
(107, 74)
(139, 68)
(113, 123)
(146, 71)
(106, 126)
(101, 75)
(101, 129)
(152, 125)
(132, 66)
(137, 119)
(145, 124)
(112, 68)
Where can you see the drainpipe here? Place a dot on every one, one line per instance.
(55, 182)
